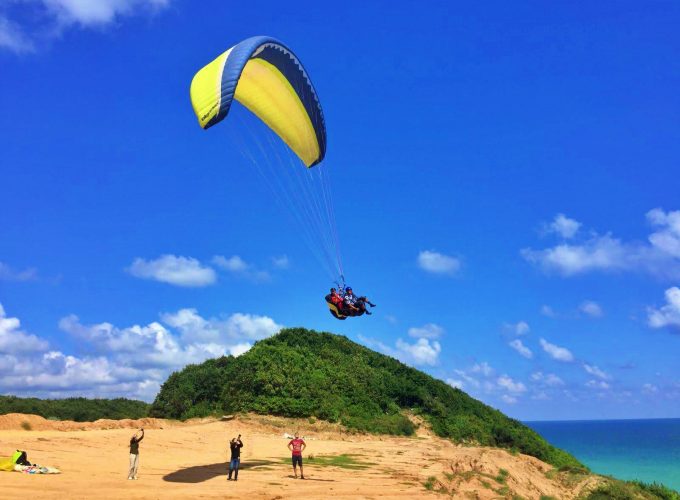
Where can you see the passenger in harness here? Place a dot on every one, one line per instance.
(355, 306)
(335, 303)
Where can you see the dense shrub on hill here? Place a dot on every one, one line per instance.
(302, 373)
(77, 409)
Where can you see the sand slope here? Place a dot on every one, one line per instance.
(187, 460)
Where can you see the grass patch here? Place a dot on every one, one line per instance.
(26, 426)
(504, 491)
(343, 461)
(502, 476)
(430, 483)
(657, 489)
(552, 474)
(547, 497)
(615, 489)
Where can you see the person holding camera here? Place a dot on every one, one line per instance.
(134, 454)
(235, 445)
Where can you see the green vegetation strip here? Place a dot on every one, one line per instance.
(614, 489)
(77, 409)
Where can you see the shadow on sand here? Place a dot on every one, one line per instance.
(200, 473)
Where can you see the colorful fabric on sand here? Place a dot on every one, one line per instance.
(6, 464)
(36, 469)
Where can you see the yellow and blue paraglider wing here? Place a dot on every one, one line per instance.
(267, 78)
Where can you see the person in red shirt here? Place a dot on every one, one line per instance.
(296, 446)
(336, 299)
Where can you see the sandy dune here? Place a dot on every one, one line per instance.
(187, 460)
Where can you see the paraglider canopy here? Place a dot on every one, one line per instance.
(267, 78)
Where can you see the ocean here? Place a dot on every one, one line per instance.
(648, 450)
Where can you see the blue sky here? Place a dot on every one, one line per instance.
(505, 178)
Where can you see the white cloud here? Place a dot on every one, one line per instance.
(251, 327)
(458, 384)
(155, 345)
(511, 400)
(564, 226)
(391, 319)
(650, 389)
(540, 396)
(281, 262)
(9, 274)
(239, 349)
(549, 379)
(598, 384)
(468, 379)
(553, 380)
(33, 369)
(236, 265)
(595, 371)
(51, 17)
(151, 345)
(13, 340)
(548, 311)
(422, 352)
(518, 346)
(437, 263)
(378, 345)
(427, 331)
(519, 328)
(179, 271)
(591, 308)
(510, 385)
(55, 370)
(659, 257)
(13, 38)
(132, 361)
(598, 253)
(489, 383)
(668, 314)
(667, 238)
(192, 326)
(97, 12)
(522, 328)
(484, 368)
(556, 352)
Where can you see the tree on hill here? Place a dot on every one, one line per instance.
(303, 373)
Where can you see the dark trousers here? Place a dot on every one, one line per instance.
(233, 467)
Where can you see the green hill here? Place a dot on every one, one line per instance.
(302, 373)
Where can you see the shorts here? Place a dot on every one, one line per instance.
(297, 459)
